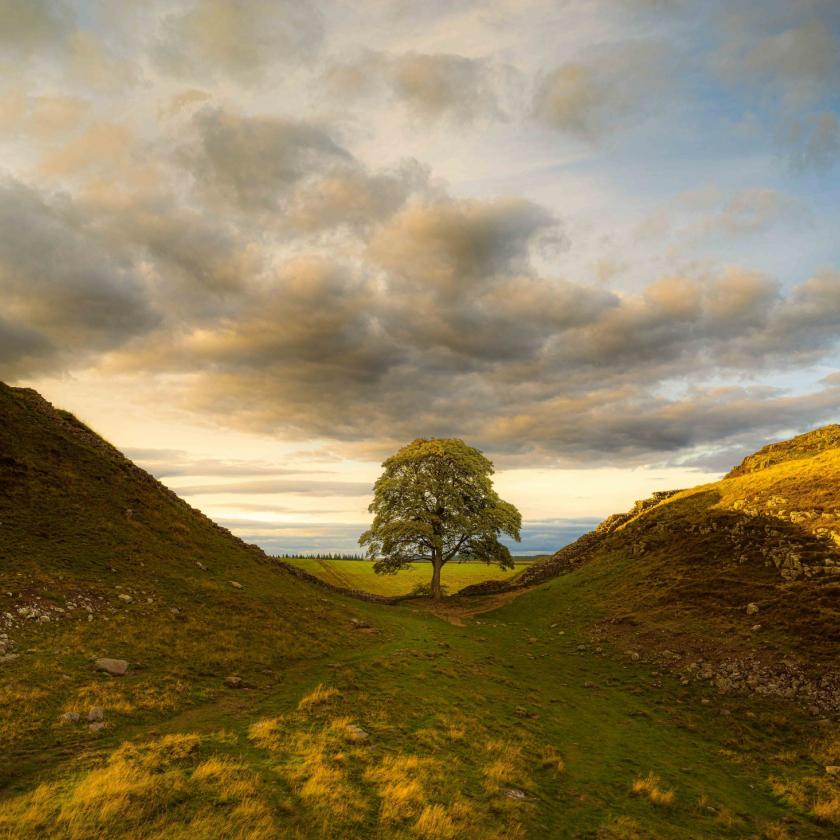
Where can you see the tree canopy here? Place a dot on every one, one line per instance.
(435, 502)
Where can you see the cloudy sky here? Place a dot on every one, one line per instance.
(260, 245)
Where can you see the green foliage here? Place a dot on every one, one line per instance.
(435, 501)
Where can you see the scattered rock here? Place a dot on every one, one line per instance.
(514, 793)
(234, 682)
(125, 598)
(201, 565)
(96, 727)
(235, 584)
(356, 734)
(70, 717)
(520, 711)
(115, 667)
(97, 713)
(359, 624)
(752, 609)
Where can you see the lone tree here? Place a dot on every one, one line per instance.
(435, 501)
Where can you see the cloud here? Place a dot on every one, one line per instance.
(207, 38)
(789, 56)
(429, 85)
(592, 98)
(171, 463)
(33, 25)
(253, 161)
(300, 487)
(56, 278)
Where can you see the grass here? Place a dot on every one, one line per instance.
(491, 724)
(359, 574)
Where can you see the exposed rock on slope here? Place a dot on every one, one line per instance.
(802, 446)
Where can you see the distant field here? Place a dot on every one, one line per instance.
(359, 574)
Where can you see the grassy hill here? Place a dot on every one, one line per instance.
(279, 709)
(359, 574)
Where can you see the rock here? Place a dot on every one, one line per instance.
(359, 624)
(235, 584)
(234, 682)
(97, 713)
(752, 609)
(125, 598)
(755, 628)
(514, 793)
(356, 734)
(705, 701)
(96, 727)
(70, 717)
(115, 667)
(833, 770)
(520, 711)
(201, 565)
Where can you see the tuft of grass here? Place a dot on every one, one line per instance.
(436, 823)
(319, 696)
(649, 786)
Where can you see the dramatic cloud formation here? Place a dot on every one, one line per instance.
(573, 234)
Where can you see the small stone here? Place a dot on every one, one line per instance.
(201, 565)
(235, 584)
(356, 734)
(755, 628)
(363, 625)
(520, 711)
(705, 701)
(589, 684)
(70, 717)
(752, 609)
(514, 793)
(96, 727)
(115, 667)
(125, 598)
(96, 713)
(234, 682)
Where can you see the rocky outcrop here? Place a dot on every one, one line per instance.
(803, 446)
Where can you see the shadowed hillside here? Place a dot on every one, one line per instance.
(99, 560)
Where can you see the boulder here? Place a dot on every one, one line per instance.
(115, 667)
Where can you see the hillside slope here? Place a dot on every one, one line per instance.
(99, 560)
(257, 706)
(738, 580)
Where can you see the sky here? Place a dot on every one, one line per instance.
(261, 245)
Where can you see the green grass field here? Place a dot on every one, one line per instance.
(359, 574)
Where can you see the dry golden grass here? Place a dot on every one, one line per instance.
(622, 828)
(505, 767)
(400, 782)
(649, 786)
(153, 789)
(552, 760)
(319, 696)
(816, 794)
(435, 822)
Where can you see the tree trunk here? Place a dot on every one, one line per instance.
(437, 563)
